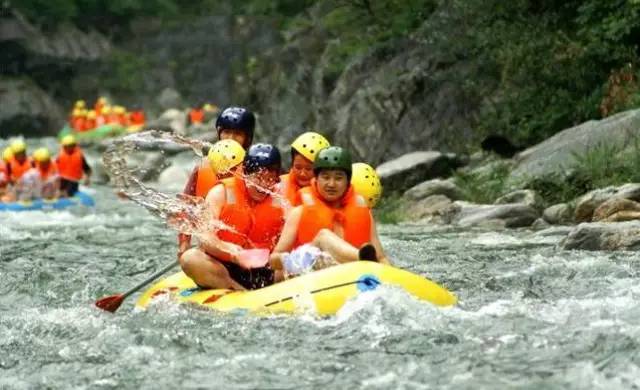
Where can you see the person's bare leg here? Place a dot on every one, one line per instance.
(342, 251)
(207, 271)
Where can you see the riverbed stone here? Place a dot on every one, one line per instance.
(617, 210)
(597, 236)
(528, 197)
(587, 204)
(509, 215)
(434, 187)
(434, 209)
(558, 214)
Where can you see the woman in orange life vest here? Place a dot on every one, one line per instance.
(72, 166)
(225, 158)
(244, 204)
(41, 181)
(19, 163)
(235, 123)
(303, 152)
(332, 216)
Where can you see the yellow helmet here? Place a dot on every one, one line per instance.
(91, 114)
(366, 182)
(68, 140)
(7, 154)
(210, 107)
(18, 146)
(80, 104)
(106, 109)
(119, 110)
(102, 100)
(225, 155)
(42, 155)
(76, 112)
(309, 144)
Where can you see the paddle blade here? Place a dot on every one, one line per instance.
(110, 303)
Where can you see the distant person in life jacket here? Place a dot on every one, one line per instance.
(332, 216)
(196, 116)
(20, 163)
(225, 158)
(303, 152)
(40, 181)
(245, 205)
(72, 166)
(5, 188)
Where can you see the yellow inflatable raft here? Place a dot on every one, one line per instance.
(322, 291)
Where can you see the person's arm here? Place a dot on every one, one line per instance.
(375, 241)
(87, 171)
(209, 241)
(287, 237)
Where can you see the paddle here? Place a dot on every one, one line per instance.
(113, 302)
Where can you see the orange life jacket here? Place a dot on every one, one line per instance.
(112, 119)
(354, 216)
(137, 118)
(288, 188)
(70, 165)
(101, 120)
(206, 179)
(256, 226)
(77, 123)
(17, 169)
(123, 120)
(89, 124)
(51, 170)
(196, 116)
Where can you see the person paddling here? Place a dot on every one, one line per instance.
(332, 216)
(255, 218)
(303, 152)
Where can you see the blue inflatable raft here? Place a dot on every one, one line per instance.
(79, 199)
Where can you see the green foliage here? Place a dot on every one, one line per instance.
(124, 72)
(484, 185)
(390, 209)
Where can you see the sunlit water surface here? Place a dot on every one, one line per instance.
(530, 315)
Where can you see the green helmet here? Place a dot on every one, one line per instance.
(333, 157)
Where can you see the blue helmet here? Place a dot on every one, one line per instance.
(262, 156)
(237, 118)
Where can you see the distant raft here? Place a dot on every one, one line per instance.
(79, 199)
(323, 292)
(99, 133)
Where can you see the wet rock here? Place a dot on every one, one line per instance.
(558, 214)
(540, 224)
(434, 187)
(434, 209)
(410, 169)
(28, 110)
(528, 197)
(510, 215)
(173, 178)
(556, 154)
(151, 166)
(170, 120)
(604, 236)
(169, 98)
(586, 204)
(617, 210)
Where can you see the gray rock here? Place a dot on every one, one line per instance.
(410, 169)
(528, 197)
(173, 178)
(28, 110)
(508, 215)
(604, 236)
(556, 154)
(540, 224)
(169, 98)
(435, 208)
(434, 187)
(558, 214)
(586, 204)
(171, 120)
(152, 164)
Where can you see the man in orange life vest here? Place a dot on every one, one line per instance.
(303, 152)
(19, 163)
(71, 166)
(245, 205)
(235, 123)
(332, 216)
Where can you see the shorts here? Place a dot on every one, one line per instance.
(251, 279)
(69, 186)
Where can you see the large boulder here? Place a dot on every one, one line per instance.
(586, 204)
(27, 110)
(558, 214)
(434, 187)
(504, 215)
(604, 236)
(406, 171)
(171, 120)
(556, 154)
(169, 98)
(173, 178)
(617, 210)
(528, 197)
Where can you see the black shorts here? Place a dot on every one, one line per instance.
(251, 279)
(69, 186)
